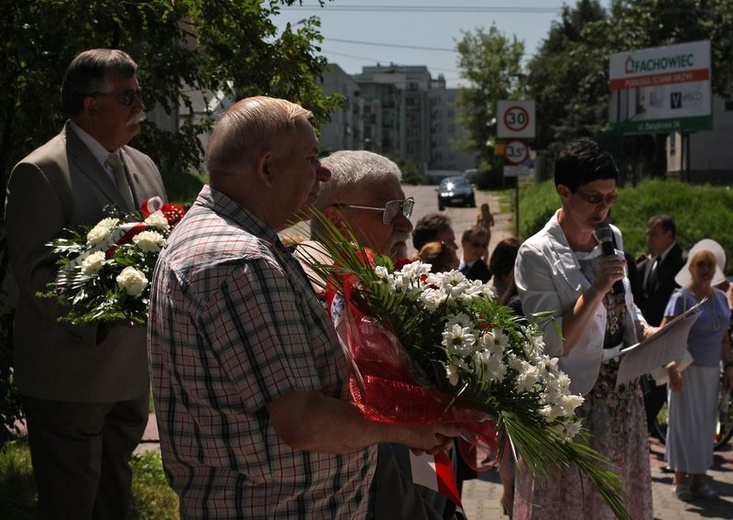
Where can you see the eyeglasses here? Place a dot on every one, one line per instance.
(597, 198)
(391, 210)
(479, 245)
(128, 97)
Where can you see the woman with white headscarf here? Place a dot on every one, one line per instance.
(692, 400)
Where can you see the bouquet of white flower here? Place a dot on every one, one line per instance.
(435, 346)
(104, 271)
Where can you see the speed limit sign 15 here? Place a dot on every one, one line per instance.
(515, 119)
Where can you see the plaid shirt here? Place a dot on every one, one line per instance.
(234, 324)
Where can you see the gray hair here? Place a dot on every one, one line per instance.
(90, 72)
(351, 170)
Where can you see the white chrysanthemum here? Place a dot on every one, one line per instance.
(556, 389)
(101, 231)
(488, 341)
(387, 282)
(547, 366)
(157, 220)
(552, 412)
(92, 263)
(409, 280)
(458, 340)
(574, 400)
(501, 338)
(570, 402)
(572, 428)
(527, 376)
(415, 270)
(515, 363)
(452, 278)
(149, 241)
(566, 431)
(132, 281)
(455, 286)
(473, 290)
(381, 272)
(490, 366)
(461, 319)
(536, 340)
(431, 298)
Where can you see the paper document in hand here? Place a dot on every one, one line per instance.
(667, 344)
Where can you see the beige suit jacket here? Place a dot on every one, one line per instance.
(62, 185)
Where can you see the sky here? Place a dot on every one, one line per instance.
(419, 32)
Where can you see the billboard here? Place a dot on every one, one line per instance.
(661, 89)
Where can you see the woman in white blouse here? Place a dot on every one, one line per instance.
(563, 269)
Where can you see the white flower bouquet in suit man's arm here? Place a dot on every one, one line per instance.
(104, 271)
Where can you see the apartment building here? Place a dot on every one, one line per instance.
(397, 111)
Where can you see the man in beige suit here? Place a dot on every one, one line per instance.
(84, 389)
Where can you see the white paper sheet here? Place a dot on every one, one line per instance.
(667, 344)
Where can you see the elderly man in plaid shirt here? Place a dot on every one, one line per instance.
(248, 375)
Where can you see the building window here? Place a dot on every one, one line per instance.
(672, 144)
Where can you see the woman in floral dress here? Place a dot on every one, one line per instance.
(563, 269)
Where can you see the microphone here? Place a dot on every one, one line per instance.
(604, 234)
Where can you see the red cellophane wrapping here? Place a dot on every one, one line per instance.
(389, 387)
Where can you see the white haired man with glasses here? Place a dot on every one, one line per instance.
(364, 197)
(365, 194)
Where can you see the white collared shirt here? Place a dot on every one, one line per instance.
(98, 151)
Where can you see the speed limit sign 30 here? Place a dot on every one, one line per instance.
(515, 119)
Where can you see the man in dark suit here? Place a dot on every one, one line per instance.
(475, 242)
(657, 272)
(658, 269)
(84, 388)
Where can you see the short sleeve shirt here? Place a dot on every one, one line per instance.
(234, 325)
(706, 333)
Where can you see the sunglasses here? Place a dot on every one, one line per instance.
(391, 210)
(128, 97)
(479, 245)
(597, 198)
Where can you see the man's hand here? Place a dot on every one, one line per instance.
(430, 439)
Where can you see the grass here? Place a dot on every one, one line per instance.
(152, 498)
(17, 490)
